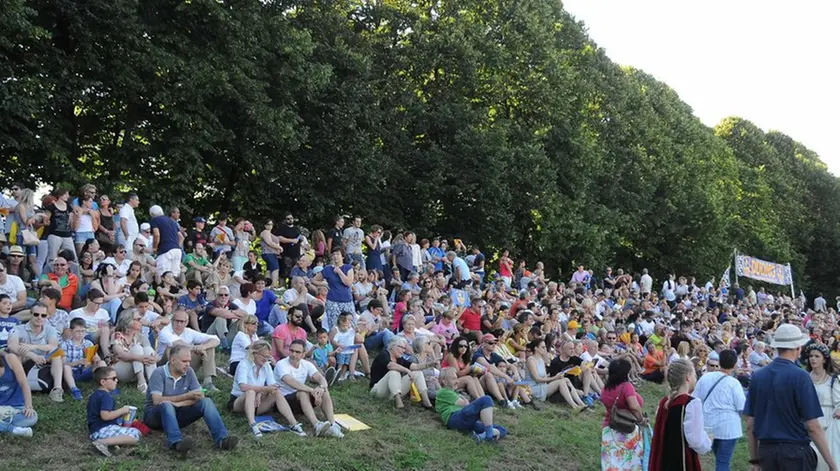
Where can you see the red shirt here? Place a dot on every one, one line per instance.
(471, 320)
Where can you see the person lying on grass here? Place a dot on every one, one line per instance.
(475, 417)
(103, 420)
(256, 391)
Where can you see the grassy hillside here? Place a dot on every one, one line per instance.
(410, 439)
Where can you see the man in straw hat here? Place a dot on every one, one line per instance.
(783, 411)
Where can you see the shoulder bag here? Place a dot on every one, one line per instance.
(621, 420)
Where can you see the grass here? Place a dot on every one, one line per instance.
(411, 439)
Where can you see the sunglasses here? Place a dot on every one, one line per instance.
(44, 315)
(112, 378)
(710, 365)
(14, 188)
(224, 295)
(59, 264)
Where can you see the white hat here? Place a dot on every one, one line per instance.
(155, 211)
(145, 227)
(789, 336)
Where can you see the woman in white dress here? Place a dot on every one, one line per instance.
(825, 381)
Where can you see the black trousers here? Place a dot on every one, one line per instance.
(780, 456)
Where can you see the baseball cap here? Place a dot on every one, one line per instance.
(199, 219)
(145, 227)
(488, 338)
(573, 325)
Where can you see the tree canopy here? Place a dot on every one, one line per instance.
(499, 121)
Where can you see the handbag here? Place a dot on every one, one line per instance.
(621, 420)
(30, 237)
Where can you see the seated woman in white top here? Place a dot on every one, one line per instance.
(244, 338)
(97, 321)
(255, 390)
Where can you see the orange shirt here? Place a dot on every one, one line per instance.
(651, 359)
(69, 289)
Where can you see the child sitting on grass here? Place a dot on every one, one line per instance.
(76, 365)
(103, 421)
(344, 336)
(323, 355)
(475, 417)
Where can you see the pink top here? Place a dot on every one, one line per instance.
(399, 310)
(448, 332)
(622, 391)
(284, 332)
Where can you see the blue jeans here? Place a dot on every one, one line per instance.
(112, 306)
(170, 418)
(264, 329)
(723, 450)
(468, 419)
(277, 316)
(18, 420)
(379, 339)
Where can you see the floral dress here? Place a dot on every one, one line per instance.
(620, 451)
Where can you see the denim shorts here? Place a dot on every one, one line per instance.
(82, 237)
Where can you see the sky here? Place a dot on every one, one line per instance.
(774, 63)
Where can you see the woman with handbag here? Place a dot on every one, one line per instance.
(622, 443)
(679, 435)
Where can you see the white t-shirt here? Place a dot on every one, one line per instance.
(239, 349)
(245, 373)
(250, 307)
(91, 321)
(12, 287)
(127, 213)
(122, 268)
(149, 317)
(354, 237)
(303, 372)
(190, 337)
(290, 295)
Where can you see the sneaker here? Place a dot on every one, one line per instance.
(21, 432)
(57, 395)
(335, 431)
(516, 404)
(536, 405)
(330, 375)
(228, 443)
(209, 386)
(344, 376)
(77, 395)
(359, 374)
(297, 429)
(102, 448)
(255, 429)
(475, 437)
(588, 401)
(320, 428)
(184, 445)
(510, 405)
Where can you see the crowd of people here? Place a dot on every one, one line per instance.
(89, 293)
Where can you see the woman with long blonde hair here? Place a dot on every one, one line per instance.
(255, 389)
(679, 435)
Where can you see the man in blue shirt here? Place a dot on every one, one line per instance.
(175, 400)
(167, 241)
(783, 411)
